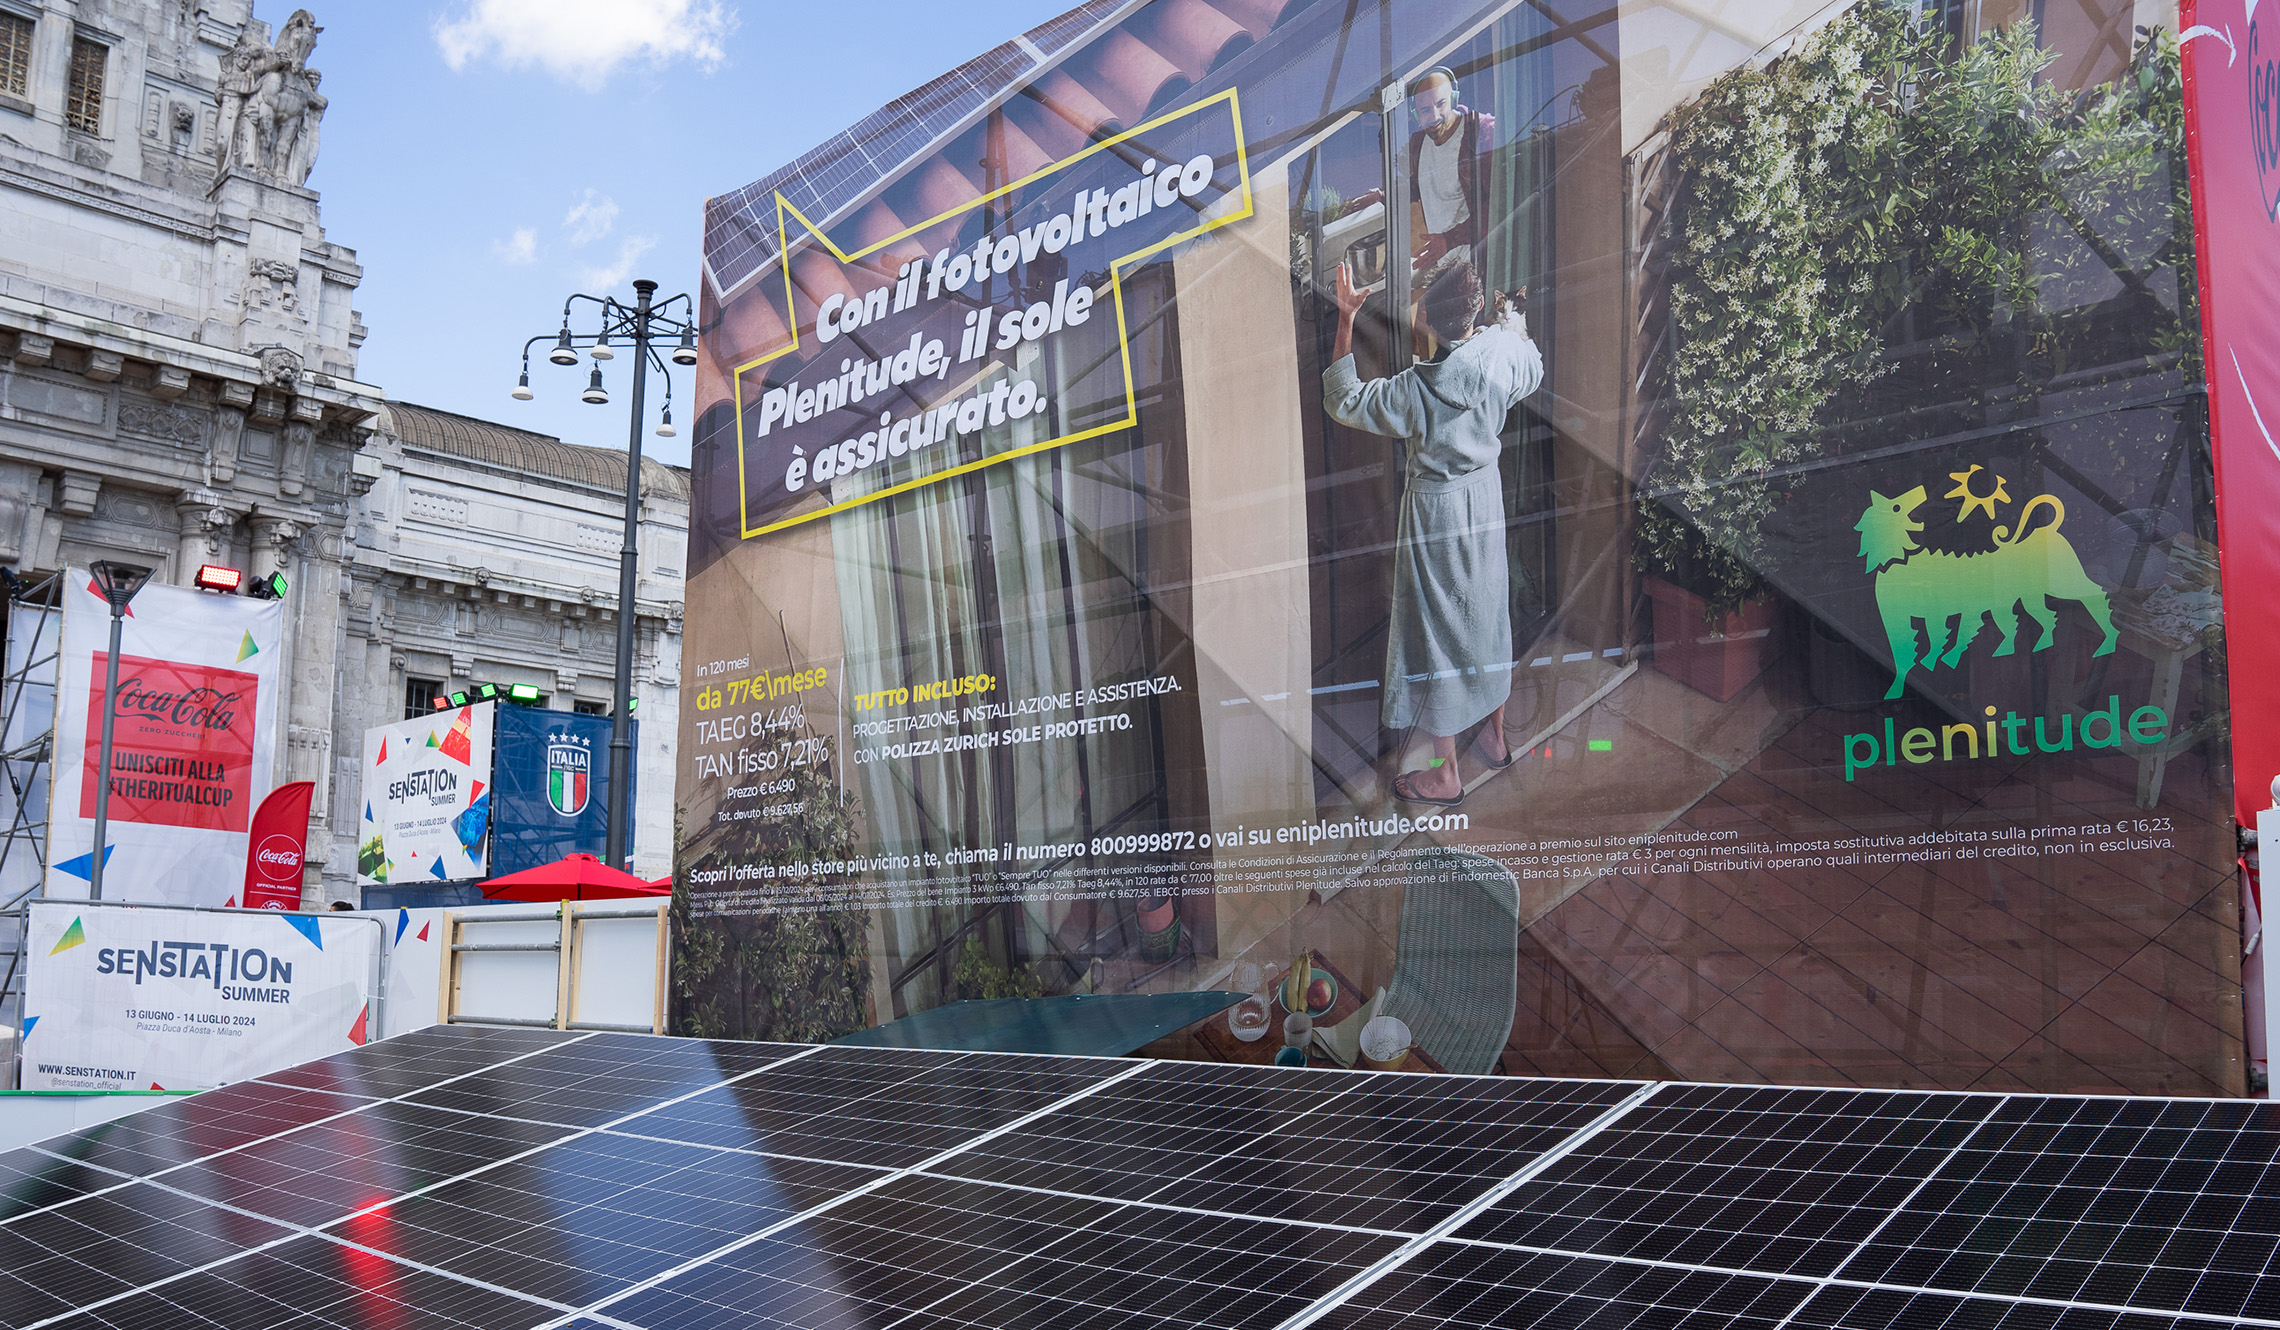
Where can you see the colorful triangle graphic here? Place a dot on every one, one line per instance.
(247, 648)
(29, 1022)
(97, 593)
(422, 934)
(356, 1032)
(383, 751)
(83, 866)
(72, 937)
(431, 740)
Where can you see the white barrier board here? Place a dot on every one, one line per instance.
(121, 998)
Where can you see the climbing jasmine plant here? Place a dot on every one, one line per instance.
(1876, 181)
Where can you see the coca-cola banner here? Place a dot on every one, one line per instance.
(280, 846)
(193, 747)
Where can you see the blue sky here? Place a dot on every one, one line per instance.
(571, 149)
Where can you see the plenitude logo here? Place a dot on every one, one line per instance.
(1918, 745)
(1954, 596)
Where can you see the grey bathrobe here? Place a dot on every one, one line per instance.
(1449, 649)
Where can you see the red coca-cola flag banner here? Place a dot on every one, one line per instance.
(2232, 133)
(277, 847)
(182, 747)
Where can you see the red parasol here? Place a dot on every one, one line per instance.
(580, 877)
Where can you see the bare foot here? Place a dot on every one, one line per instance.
(1435, 784)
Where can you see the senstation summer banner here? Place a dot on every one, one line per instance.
(1627, 544)
(121, 998)
(194, 743)
(427, 799)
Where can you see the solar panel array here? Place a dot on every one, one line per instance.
(521, 1178)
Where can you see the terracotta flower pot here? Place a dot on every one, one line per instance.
(1716, 656)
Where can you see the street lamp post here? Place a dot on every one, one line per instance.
(118, 582)
(645, 322)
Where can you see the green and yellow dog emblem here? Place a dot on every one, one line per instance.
(1952, 595)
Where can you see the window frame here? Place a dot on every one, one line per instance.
(75, 89)
(20, 98)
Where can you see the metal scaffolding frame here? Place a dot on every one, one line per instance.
(31, 631)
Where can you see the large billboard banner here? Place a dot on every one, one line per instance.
(551, 795)
(120, 998)
(427, 799)
(193, 745)
(1626, 554)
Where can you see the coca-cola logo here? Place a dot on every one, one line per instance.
(194, 708)
(279, 857)
(2264, 112)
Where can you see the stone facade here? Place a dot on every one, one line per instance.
(177, 345)
(482, 553)
(178, 386)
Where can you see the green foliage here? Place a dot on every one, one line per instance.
(980, 977)
(1870, 178)
(801, 977)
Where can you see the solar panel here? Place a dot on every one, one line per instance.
(520, 1178)
(1773, 1181)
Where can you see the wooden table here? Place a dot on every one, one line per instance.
(1223, 1046)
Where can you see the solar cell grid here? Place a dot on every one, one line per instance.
(1768, 1180)
(309, 1282)
(594, 1081)
(586, 1220)
(894, 1112)
(417, 1060)
(1456, 1284)
(320, 1174)
(112, 1243)
(2165, 1205)
(1140, 1195)
(183, 1130)
(1375, 1152)
(962, 1253)
(1842, 1307)
(34, 1179)
(1402, 1153)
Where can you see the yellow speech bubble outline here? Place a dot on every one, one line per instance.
(1116, 266)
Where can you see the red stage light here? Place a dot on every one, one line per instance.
(214, 577)
(441, 703)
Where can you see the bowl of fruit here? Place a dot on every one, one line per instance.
(1318, 989)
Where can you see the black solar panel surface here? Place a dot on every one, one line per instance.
(519, 1178)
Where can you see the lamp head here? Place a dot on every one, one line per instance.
(563, 353)
(595, 394)
(686, 352)
(522, 387)
(665, 428)
(118, 582)
(601, 348)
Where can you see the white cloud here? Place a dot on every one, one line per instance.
(519, 248)
(590, 218)
(629, 253)
(584, 41)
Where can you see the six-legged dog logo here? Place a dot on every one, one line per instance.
(1953, 595)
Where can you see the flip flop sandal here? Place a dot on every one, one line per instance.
(1405, 789)
(1509, 757)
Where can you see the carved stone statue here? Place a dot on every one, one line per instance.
(238, 80)
(269, 103)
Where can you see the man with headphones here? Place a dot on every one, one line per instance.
(1447, 179)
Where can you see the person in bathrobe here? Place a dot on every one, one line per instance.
(1448, 653)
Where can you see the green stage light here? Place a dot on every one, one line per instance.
(271, 587)
(527, 694)
(459, 699)
(485, 692)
